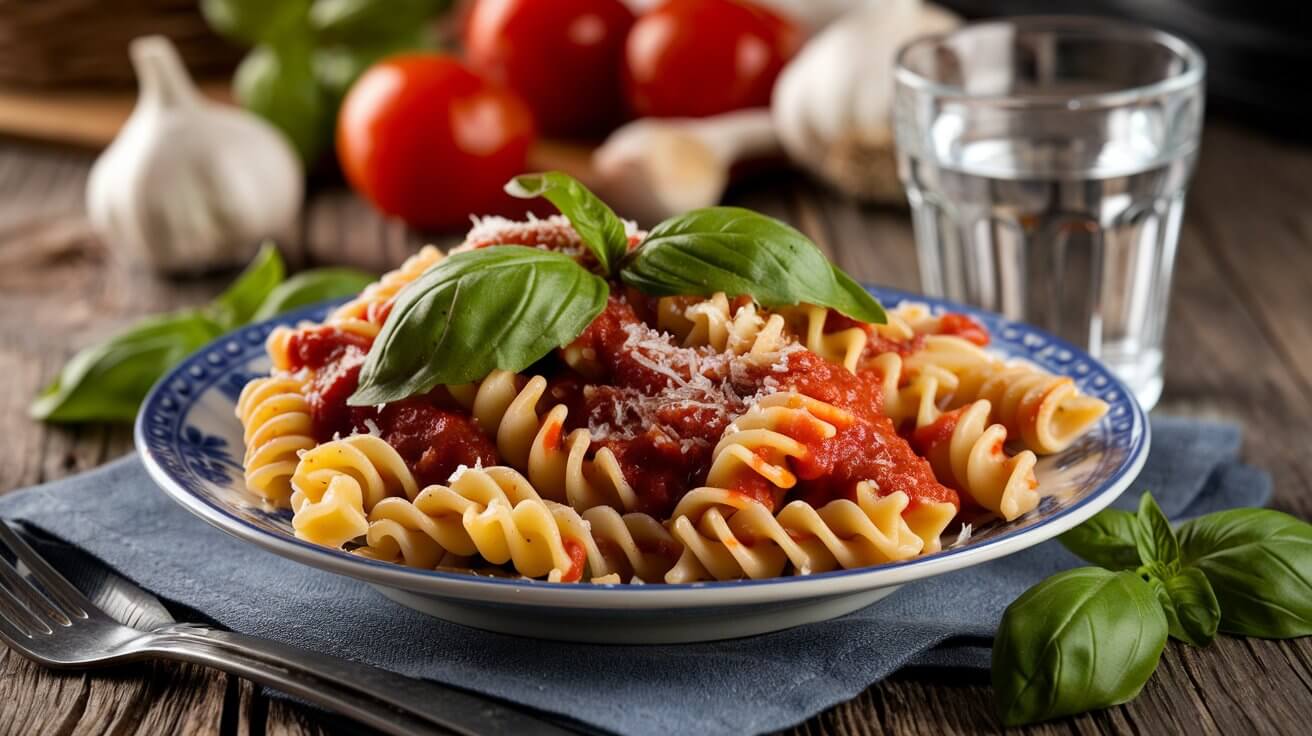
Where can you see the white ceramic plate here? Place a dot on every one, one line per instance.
(191, 443)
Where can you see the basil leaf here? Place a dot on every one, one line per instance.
(599, 227)
(738, 251)
(1259, 563)
(309, 287)
(238, 304)
(500, 307)
(1155, 539)
(254, 21)
(1082, 639)
(1192, 612)
(853, 299)
(1106, 540)
(107, 381)
(277, 82)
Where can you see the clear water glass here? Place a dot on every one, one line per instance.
(1046, 161)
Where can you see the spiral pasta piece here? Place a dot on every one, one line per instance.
(495, 514)
(726, 535)
(844, 347)
(713, 322)
(337, 483)
(556, 463)
(275, 418)
(1046, 413)
(971, 458)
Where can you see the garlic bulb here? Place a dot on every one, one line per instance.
(189, 185)
(833, 104)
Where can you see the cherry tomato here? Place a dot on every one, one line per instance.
(427, 140)
(562, 56)
(692, 58)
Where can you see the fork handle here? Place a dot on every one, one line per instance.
(386, 701)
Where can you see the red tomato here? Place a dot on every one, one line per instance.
(425, 139)
(692, 58)
(562, 56)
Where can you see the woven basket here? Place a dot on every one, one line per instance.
(61, 43)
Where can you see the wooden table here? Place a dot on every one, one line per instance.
(1240, 348)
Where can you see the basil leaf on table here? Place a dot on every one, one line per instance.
(1259, 563)
(1106, 540)
(503, 307)
(1082, 639)
(107, 381)
(1192, 612)
(597, 224)
(1155, 539)
(277, 82)
(309, 287)
(738, 251)
(238, 303)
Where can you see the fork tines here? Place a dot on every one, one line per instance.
(36, 600)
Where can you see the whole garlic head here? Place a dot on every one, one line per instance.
(833, 104)
(190, 185)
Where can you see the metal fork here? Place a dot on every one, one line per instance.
(48, 619)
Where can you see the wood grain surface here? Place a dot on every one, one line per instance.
(1239, 348)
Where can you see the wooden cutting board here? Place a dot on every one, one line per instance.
(91, 119)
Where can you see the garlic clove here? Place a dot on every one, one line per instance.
(189, 185)
(653, 169)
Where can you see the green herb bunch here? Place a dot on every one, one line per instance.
(306, 53)
(107, 381)
(1091, 637)
(507, 306)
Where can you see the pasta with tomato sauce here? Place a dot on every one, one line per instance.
(676, 439)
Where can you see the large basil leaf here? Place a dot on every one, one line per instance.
(1107, 540)
(1259, 563)
(239, 303)
(1155, 539)
(500, 307)
(599, 227)
(107, 381)
(1192, 612)
(738, 251)
(1082, 639)
(309, 287)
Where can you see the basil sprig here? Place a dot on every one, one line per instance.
(1090, 638)
(106, 382)
(505, 306)
(739, 251)
(597, 224)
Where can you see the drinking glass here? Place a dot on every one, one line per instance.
(1046, 160)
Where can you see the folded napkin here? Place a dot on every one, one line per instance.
(756, 684)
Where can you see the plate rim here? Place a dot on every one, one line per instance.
(515, 591)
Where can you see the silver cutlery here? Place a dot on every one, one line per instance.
(48, 619)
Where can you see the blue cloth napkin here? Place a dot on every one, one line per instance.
(741, 686)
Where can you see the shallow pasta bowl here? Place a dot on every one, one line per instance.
(191, 444)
